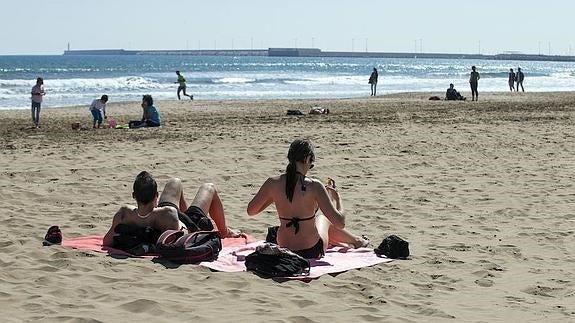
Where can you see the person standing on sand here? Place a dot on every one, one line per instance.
(373, 81)
(519, 78)
(37, 94)
(98, 110)
(511, 80)
(182, 87)
(474, 82)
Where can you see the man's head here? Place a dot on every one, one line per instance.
(178, 72)
(511, 70)
(473, 68)
(39, 80)
(104, 98)
(451, 85)
(145, 188)
(519, 69)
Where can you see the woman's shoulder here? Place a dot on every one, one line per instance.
(275, 179)
(314, 182)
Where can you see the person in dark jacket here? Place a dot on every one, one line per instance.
(519, 78)
(373, 81)
(511, 80)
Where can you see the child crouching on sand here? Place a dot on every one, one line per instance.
(98, 110)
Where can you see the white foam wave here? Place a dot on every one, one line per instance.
(234, 80)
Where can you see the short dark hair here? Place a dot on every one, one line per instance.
(38, 80)
(104, 98)
(148, 99)
(145, 187)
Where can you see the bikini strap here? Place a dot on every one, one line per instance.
(295, 222)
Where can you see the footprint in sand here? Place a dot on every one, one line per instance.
(483, 282)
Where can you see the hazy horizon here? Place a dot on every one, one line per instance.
(491, 27)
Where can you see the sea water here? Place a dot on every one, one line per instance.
(77, 80)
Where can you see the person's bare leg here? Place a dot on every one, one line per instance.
(208, 200)
(341, 237)
(336, 237)
(174, 193)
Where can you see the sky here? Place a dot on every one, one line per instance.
(45, 27)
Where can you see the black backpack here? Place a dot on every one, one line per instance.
(270, 260)
(134, 239)
(190, 248)
(393, 247)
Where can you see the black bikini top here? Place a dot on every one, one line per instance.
(294, 222)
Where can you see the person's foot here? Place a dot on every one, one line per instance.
(191, 97)
(362, 242)
(234, 233)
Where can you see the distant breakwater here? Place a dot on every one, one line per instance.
(315, 52)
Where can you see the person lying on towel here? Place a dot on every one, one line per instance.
(297, 198)
(166, 213)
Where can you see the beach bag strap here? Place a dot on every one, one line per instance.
(169, 237)
(190, 248)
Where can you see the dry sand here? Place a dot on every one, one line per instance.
(482, 190)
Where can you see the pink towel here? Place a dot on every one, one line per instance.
(336, 260)
(231, 258)
(94, 243)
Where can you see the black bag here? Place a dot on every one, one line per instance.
(134, 239)
(272, 236)
(195, 220)
(393, 247)
(269, 261)
(190, 248)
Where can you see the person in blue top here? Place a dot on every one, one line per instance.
(150, 115)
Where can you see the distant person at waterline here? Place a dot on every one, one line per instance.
(511, 80)
(37, 94)
(98, 110)
(452, 95)
(373, 81)
(519, 78)
(474, 83)
(182, 87)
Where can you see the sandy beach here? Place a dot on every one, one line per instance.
(483, 191)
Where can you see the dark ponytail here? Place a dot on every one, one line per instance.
(291, 180)
(299, 150)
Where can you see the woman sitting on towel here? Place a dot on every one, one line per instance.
(297, 199)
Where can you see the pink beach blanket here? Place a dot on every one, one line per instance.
(231, 258)
(336, 260)
(94, 243)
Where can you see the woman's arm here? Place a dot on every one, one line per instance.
(262, 199)
(334, 213)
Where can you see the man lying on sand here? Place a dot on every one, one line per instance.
(166, 214)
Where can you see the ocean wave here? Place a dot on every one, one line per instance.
(234, 80)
